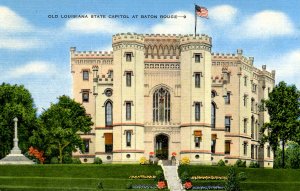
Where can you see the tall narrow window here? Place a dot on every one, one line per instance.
(197, 136)
(213, 115)
(128, 138)
(252, 127)
(128, 110)
(227, 98)
(128, 79)
(197, 58)
(213, 142)
(85, 75)
(252, 151)
(269, 151)
(108, 114)
(161, 105)
(85, 95)
(252, 104)
(197, 111)
(245, 100)
(245, 148)
(128, 56)
(197, 80)
(108, 142)
(227, 123)
(227, 147)
(86, 145)
(245, 80)
(245, 125)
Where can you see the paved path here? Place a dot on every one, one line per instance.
(172, 178)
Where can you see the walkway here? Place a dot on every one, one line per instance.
(171, 175)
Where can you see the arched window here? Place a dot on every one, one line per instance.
(161, 105)
(213, 115)
(108, 114)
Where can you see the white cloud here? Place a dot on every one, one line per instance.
(223, 14)
(12, 22)
(31, 68)
(266, 24)
(18, 43)
(91, 25)
(180, 25)
(287, 67)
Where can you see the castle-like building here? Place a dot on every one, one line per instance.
(170, 93)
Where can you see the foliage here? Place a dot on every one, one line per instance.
(100, 185)
(129, 185)
(242, 176)
(97, 160)
(54, 160)
(59, 127)
(15, 101)
(142, 177)
(283, 107)
(208, 187)
(185, 176)
(185, 161)
(240, 163)
(253, 165)
(292, 156)
(143, 160)
(76, 161)
(221, 163)
(159, 175)
(232, 182)
(144, 186)
(37, 154)
(67, 159)
(208, 178)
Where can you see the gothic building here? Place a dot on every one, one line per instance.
(170, 93)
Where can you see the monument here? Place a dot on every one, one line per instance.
(15, 156)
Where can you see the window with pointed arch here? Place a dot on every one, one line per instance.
(161, 105)
(213, 115)
(108, 114)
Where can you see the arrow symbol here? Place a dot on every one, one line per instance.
(184, 16)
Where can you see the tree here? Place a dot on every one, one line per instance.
(59, 127)
(15, 101)
(232, 181)
(283, 107)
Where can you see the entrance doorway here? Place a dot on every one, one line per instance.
(162, 146)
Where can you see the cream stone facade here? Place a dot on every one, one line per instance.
(170, 93)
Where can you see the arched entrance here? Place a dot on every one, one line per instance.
(162, 146)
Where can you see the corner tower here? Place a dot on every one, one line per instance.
(128, 109)
(196, 98)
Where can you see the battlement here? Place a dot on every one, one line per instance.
(91, 54)
(120, 37)
(223, 56)
(198, 38)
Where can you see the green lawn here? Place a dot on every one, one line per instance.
(258, 179)
(72, 177)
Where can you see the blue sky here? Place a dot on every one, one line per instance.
(34, 49)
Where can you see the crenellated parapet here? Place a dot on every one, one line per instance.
(191, 42)
(128, 40)
(90, 54)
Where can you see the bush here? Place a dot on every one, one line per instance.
(54, 160)
(129, 185)
(185, 177)
(253, 165)
(232, 182)
(100, 185)
(185, 161)
(159, 175)
(240, 163)
(76, 161)
(221, 163)
(242, 176)
(67, 159)
(97, 160)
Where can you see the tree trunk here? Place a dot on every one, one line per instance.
(283, 163)
(60, 154)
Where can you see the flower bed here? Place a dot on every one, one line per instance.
(144, 186)
(208, 177)
(208, 187)
(142, 177)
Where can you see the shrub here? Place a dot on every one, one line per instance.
(253, 165)
(67, 159)
(185, 161)
(232, 182)
(240, 163)
(97, 160)
(129, 185)
(159, 175)
(221, 163)
(54, 160)
(76, 161)
(143, 160)
(185, 177)
(242, 176)
(100, 185)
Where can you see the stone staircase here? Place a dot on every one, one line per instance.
(171, 175)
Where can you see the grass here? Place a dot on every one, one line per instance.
(72, 177)
(258, 178)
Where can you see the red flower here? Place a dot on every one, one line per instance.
(151, 153)
(174, 154)
(161, 185)
(188, 185)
